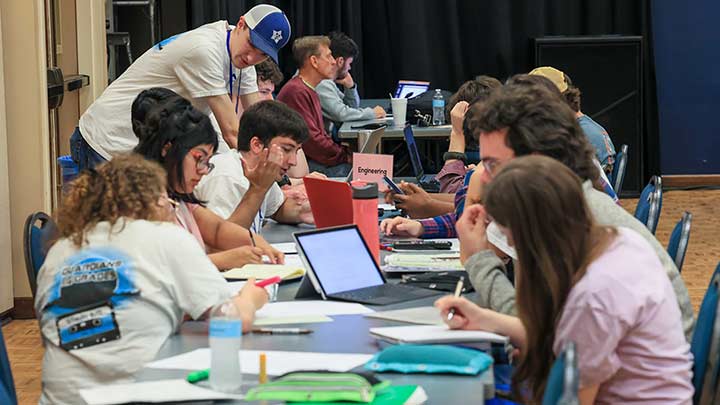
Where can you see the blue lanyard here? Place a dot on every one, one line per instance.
(257, 222)
(232, 76)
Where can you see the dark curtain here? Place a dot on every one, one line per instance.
(448, 42)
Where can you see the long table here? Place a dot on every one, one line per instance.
(346, 334)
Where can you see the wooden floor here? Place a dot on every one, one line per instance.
(25, 349)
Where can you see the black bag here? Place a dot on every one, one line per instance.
(441, 281)
(423, 102)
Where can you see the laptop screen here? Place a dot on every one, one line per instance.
(413, 152)
(410, 89)
(339, 259)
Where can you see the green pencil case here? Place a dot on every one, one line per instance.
(430, 359)
(319, 386)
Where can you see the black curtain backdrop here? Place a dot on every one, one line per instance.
(448, 42)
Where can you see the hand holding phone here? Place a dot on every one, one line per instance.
(391, 184)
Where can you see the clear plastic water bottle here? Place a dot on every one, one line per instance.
(225, 342)
(571, 379)
(438, 104)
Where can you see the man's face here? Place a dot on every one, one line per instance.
(289, 151)
(243, 52)
(494, 153)
(266, 89)
(343, 66)
(324, 63)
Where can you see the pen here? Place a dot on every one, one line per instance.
(196, 376)
(262, 378)
(282, 331)
(268, 281)
(252, 238)
(458, 290)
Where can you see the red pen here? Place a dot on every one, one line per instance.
(385, 247)
(268, 281)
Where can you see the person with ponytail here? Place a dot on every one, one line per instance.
(120, 279)
(601, 287)
(179, 137)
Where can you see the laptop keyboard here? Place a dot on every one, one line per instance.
(385, 294)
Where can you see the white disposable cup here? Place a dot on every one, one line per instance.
(399, 111)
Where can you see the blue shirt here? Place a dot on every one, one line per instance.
(599, 138)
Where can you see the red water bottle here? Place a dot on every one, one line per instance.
(365, 214)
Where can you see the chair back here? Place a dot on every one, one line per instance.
(705, 345)
(650, 204)
(564, 379)
(7, 385)
(39, 230)
(618, 173)
(679, 239)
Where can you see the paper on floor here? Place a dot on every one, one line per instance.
(278, 362)
(174, 390)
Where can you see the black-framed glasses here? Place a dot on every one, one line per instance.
(203, 164)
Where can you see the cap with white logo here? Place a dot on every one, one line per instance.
(269, 29)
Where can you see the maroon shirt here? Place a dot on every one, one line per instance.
(319, 147)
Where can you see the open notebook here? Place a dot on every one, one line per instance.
(263, 271)
(428, 334)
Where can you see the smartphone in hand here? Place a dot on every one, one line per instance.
(394, 187)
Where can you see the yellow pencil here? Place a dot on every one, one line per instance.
(262, 379)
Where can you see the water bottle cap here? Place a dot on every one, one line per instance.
(365, 191)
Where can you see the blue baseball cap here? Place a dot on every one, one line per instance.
(269, 29)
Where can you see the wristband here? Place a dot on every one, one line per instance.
(454, 155)
(284, 181)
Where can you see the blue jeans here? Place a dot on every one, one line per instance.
(340, 170)
(83, 155)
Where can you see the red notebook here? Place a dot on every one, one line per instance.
(330, 202)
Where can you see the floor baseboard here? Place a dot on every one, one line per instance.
(690, 180)
(24, 308)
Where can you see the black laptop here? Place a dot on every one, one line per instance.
(341, 267)
(426, 181)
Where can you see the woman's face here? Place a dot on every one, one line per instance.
(195, 165)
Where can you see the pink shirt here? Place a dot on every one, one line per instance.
(624, 318)
(184, 217)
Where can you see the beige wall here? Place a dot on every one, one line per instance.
(92, 54)
(23, 28)
(6, 276)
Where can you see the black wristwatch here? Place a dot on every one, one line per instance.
(454, 155)
(285, 181)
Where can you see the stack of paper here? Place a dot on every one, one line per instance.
(263, 271)
(175, 390)
(417, 315)
(404, 262)
(427, 334)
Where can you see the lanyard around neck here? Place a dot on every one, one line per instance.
(232, 75)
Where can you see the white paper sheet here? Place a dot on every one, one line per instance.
(435, 334)
(151, 391)
(387, 207)
(417, 315)
(285, 247)
(294, 260)
(301, 308)
(278, 362)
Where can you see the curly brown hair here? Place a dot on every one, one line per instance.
(269, 70)
(128, 186)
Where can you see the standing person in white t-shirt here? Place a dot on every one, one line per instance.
(210, 65)
(120, 280)
(243, 187)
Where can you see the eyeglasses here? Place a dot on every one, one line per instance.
(202, 164)
(491, 166)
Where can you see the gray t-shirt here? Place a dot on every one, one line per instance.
(107, 308)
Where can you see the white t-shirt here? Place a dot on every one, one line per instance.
(225, 186)
(106, 309)
(194, 64)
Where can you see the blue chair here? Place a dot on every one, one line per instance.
(679, 239)
(705, 346)
(564, 380)
(650, 204)
(39, 231)
(7, 385)
(618, 174)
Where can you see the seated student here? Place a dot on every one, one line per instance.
(269, 77)
(182, 140)
(121, 261)
(522, 120)
(598, 136)
(316, 62)
(340, 106)
(242, 188)
(454, 170)
(598, 286)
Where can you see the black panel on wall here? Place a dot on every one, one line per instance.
(608, 72)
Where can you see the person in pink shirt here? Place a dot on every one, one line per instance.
(598, 286)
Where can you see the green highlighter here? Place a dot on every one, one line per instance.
(196, 376)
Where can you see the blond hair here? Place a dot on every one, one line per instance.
(305, 47)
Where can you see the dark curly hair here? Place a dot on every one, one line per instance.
(537, 121)
(472, 91)
(269, 70)
(128, 186)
